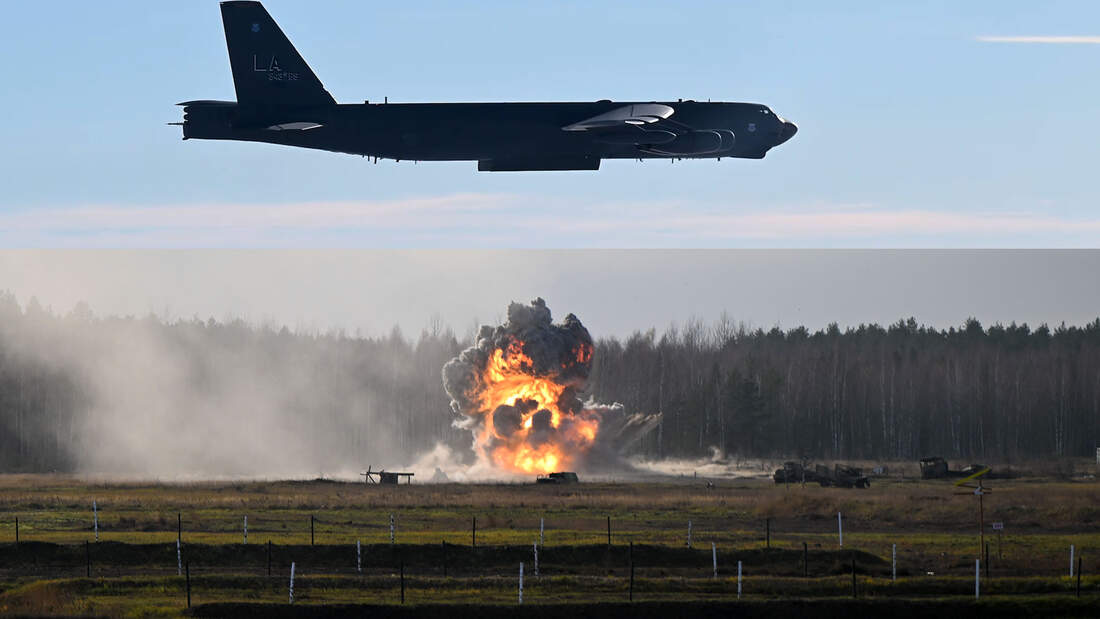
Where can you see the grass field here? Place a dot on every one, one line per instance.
(134, 566)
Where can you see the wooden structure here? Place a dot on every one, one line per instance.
(385, 477)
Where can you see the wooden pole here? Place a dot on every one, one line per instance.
(853, 574)
(87, 559)
(631, 572)
(1078, 575)
(188, 572)
(977, 578)
(981, 520)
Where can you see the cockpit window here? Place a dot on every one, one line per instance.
(764, 112)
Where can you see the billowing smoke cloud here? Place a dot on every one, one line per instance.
(518, 390)
(140, 397)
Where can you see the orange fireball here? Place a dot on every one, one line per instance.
(530, 448)
(517, 389)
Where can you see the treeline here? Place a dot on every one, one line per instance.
(900, 392)
(80, 392)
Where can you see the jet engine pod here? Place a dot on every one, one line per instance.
(729, 139)
(694, 143)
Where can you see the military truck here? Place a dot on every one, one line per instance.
(794, 473)
(842, 476)
(936, 468)
(564, 477)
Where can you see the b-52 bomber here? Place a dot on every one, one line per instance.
(281, 101)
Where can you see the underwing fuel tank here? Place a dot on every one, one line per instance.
(695, 143)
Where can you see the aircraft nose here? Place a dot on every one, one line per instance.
(787, 131)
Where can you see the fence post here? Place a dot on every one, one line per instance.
(542, 523)
(521, 582)
(536, 546)
(977, 578)
(269, 557)
(402, 581)
(714, 558)
(179, 559)
(894, 563)
(854, 592)
(1071, 560)
(359, 557)
(840, 530)
(292, 565)
(739, 580)
(631, 570)
(95, 519)
(311, 529)
(444, 558)
(392, 538)
(188, 584)
(473, 533)
(246, 529)
(87, 559)
(179, 528)
(1078, 575)
(689, 534)
(805, 560)
(609, 531)
(17, 531)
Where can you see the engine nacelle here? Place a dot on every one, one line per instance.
(697, 144)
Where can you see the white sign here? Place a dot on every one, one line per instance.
(998, 526)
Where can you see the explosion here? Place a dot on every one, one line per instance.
(517, 389)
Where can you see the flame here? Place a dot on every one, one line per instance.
(509, 379)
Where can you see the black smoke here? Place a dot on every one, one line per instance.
(561, 353)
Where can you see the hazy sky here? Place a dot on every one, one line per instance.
(613, 292)
(921, 124)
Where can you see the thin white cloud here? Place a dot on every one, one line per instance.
(482, 220)
(1058, 40)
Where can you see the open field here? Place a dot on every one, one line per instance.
(133, 567)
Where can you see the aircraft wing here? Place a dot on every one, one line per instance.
(637, 115)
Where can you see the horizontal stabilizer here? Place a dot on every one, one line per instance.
(207, 103)
(296, 126)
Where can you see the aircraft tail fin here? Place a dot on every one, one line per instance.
(267, 70)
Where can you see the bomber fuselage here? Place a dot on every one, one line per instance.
(470, 131)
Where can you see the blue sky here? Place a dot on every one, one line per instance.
(913, 130)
